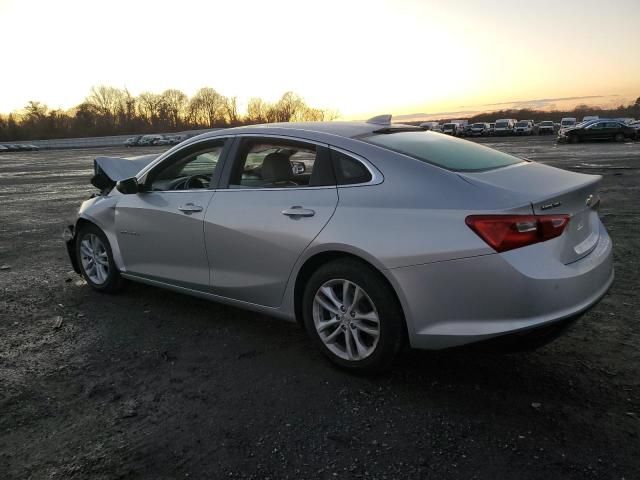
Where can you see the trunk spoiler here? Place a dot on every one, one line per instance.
(110, 170)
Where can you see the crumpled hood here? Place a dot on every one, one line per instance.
(110, 170)
(121, 168)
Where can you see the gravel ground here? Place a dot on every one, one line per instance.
(152, 384)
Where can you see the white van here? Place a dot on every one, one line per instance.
(524, 127)
(567, 122)
(479, 129)
(450, 128)
(504, 126)
(590, 117)
(433, 126)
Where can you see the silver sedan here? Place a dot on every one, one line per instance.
(369, 234)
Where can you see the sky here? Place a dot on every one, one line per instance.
(361, 58)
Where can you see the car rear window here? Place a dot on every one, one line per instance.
(444, 151)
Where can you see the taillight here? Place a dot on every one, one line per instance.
(506, 232)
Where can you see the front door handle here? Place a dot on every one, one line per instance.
(190, 208)
(298, 211)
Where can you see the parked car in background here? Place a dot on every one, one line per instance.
(162, 141)
(451, 129)
(523, 127)
(636, 126)
(597, 130)
(546, 127)
(433, 126)
(588, 118)
(19, 147)
(492, 127)
(479, 129)
(504, 126)
(25, 147)
(148, 140)
(175, 139)
(306, 244)
(567, 122)
(132, 141)
(3, 148)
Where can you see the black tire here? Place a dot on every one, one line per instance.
(114, 281)
(619, 137)
(574, 139)
(391, 319)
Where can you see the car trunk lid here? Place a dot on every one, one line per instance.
(551, 190)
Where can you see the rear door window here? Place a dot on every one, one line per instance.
(275, 163)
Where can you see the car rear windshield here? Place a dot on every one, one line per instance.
(522, 124)
(502, 124)
(546, 124)
(443, 151)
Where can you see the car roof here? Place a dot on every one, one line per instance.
(344, 129)
(341, 129)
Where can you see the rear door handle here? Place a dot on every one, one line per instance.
(190, 208)
(298, 211)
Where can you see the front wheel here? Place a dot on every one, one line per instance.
(574, 139)
(95, 259)
(619, 137)
(353, 316)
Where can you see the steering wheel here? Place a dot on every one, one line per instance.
(196, 181)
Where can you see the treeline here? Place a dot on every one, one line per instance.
(114, 111)
(579, 112)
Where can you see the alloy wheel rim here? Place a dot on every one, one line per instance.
(346, 319)
(94, 258)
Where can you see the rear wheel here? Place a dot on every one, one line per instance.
(96, 260)
(353, 316)
(619, 137)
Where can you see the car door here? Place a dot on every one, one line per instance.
(275, 197)
(596, 131)
(160, 230)
(612, 129)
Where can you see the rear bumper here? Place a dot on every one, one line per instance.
(469, 300)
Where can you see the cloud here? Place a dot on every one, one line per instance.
(540, 103)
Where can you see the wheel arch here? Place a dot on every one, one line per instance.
(315, 261)
(85, 219)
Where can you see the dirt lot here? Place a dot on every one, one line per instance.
(152, 384)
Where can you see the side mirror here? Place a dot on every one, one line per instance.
(128, 186)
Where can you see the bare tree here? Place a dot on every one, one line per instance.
(175, 104)
(230, 107)
(207, 107)
(150, 107)
(290, 106)
(35, 110)
(257, 110)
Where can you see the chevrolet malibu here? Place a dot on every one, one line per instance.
(369, 234)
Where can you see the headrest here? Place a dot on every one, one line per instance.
(276, 168)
